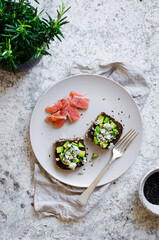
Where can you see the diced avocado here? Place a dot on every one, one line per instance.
(80, 160)
(106, 120)
(80, 145)
(101, 125)
(82, 154)
(66, 163)
(101, 119)
(60, 149)
(95, 155)
(113, 125)
(105, 145)
(62, 155)
(101, 144)
(74, 144)
(97, 129)
(74, 160)
(66, 144)
(95, 140)
(95, 133)
(115, 131)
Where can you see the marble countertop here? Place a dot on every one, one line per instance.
(125, 30)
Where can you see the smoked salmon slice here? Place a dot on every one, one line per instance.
(59, 123)
(73, 113)
(79, 102)
(66, 107)
(65, 103)
(73, 93)
(56, 116)
(56, 107)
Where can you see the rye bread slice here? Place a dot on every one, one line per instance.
(119, 127)
(60, 143)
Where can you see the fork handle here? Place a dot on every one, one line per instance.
(83, 198)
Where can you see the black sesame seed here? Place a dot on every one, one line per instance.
(151, 188)
(22, 205)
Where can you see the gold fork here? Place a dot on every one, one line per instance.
(117, 152)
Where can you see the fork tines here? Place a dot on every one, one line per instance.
(124, 142)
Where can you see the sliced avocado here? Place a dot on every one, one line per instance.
(82, 154)
(95, 155)
(60, 149)
(80, 145)
(74, 144)
(95, 140)
(106, 120)
(97, 129)
(66, 144)
(101, 119)
(101, 125)
(115, 131)
(62, 155)
(113, 125)
(105, 145)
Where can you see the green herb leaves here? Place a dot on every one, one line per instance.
(23, 34)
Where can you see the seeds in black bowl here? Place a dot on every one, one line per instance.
(151, 188)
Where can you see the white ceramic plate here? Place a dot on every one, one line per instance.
(105, 96)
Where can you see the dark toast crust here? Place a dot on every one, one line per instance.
(119, 127)
(60, 143)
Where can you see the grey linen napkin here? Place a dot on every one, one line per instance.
(53, 198)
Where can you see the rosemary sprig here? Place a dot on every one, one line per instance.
(24, 34)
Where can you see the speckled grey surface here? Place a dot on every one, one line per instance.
(127, 30)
